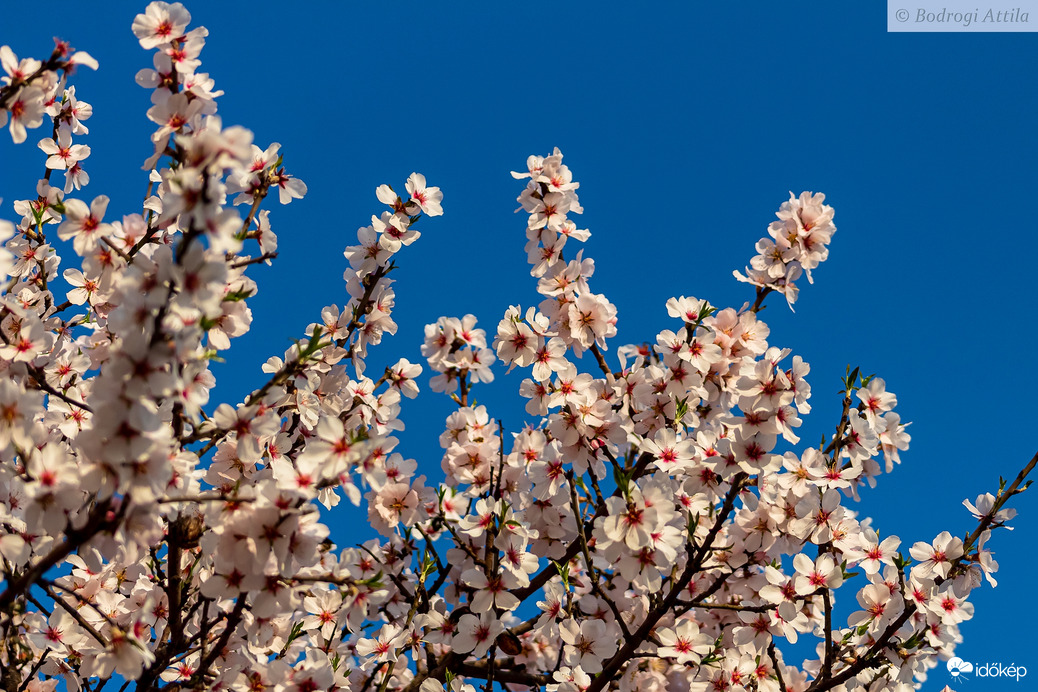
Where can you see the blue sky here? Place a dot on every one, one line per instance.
(686, 127)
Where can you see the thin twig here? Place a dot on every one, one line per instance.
(254, 260)
(76, 616)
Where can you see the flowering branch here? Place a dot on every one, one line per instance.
(644, 522)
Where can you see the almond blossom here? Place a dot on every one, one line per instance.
(587, 643)
(936, 558)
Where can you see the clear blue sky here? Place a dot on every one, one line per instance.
(686, 124)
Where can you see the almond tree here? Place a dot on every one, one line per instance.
(646, 530)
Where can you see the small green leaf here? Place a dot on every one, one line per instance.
(236, 296)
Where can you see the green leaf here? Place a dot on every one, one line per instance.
(623, 481)
(563, 571)
(236, 296)
(374, 582)
(681, 409)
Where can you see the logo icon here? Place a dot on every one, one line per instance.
(956, 666)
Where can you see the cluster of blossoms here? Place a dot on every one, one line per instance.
(581, 319)
(654, 527)
(30, 90)
(799, 242)
(457, 350)
(35, 88)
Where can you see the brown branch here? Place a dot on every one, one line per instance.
(548, 572)
(61, 307)
(232, 624)
(873, 657)
(827, 661)
(695, 564)
(255, 260)
(294, 367)
(775, 663)
(35, 669)
(145, 239)
(48, 585)
(97, 522)
(837, 441)
(173, 591)
(592, 572)
(259, 195)
(491, 671)
(602, 365)
(53, 64)
(1003, 497)
(117, 250)
(322, 579)
(729, 606)
(545, 575)
(202, 498)
(762, 293)
(75, 616)
(40, 380)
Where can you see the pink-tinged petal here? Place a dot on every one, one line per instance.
(386, 195)
(81, 57)
(99, 206)
(17, 131)
(415, 182)
(76, 209)
(149, 79)
(8, 60)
